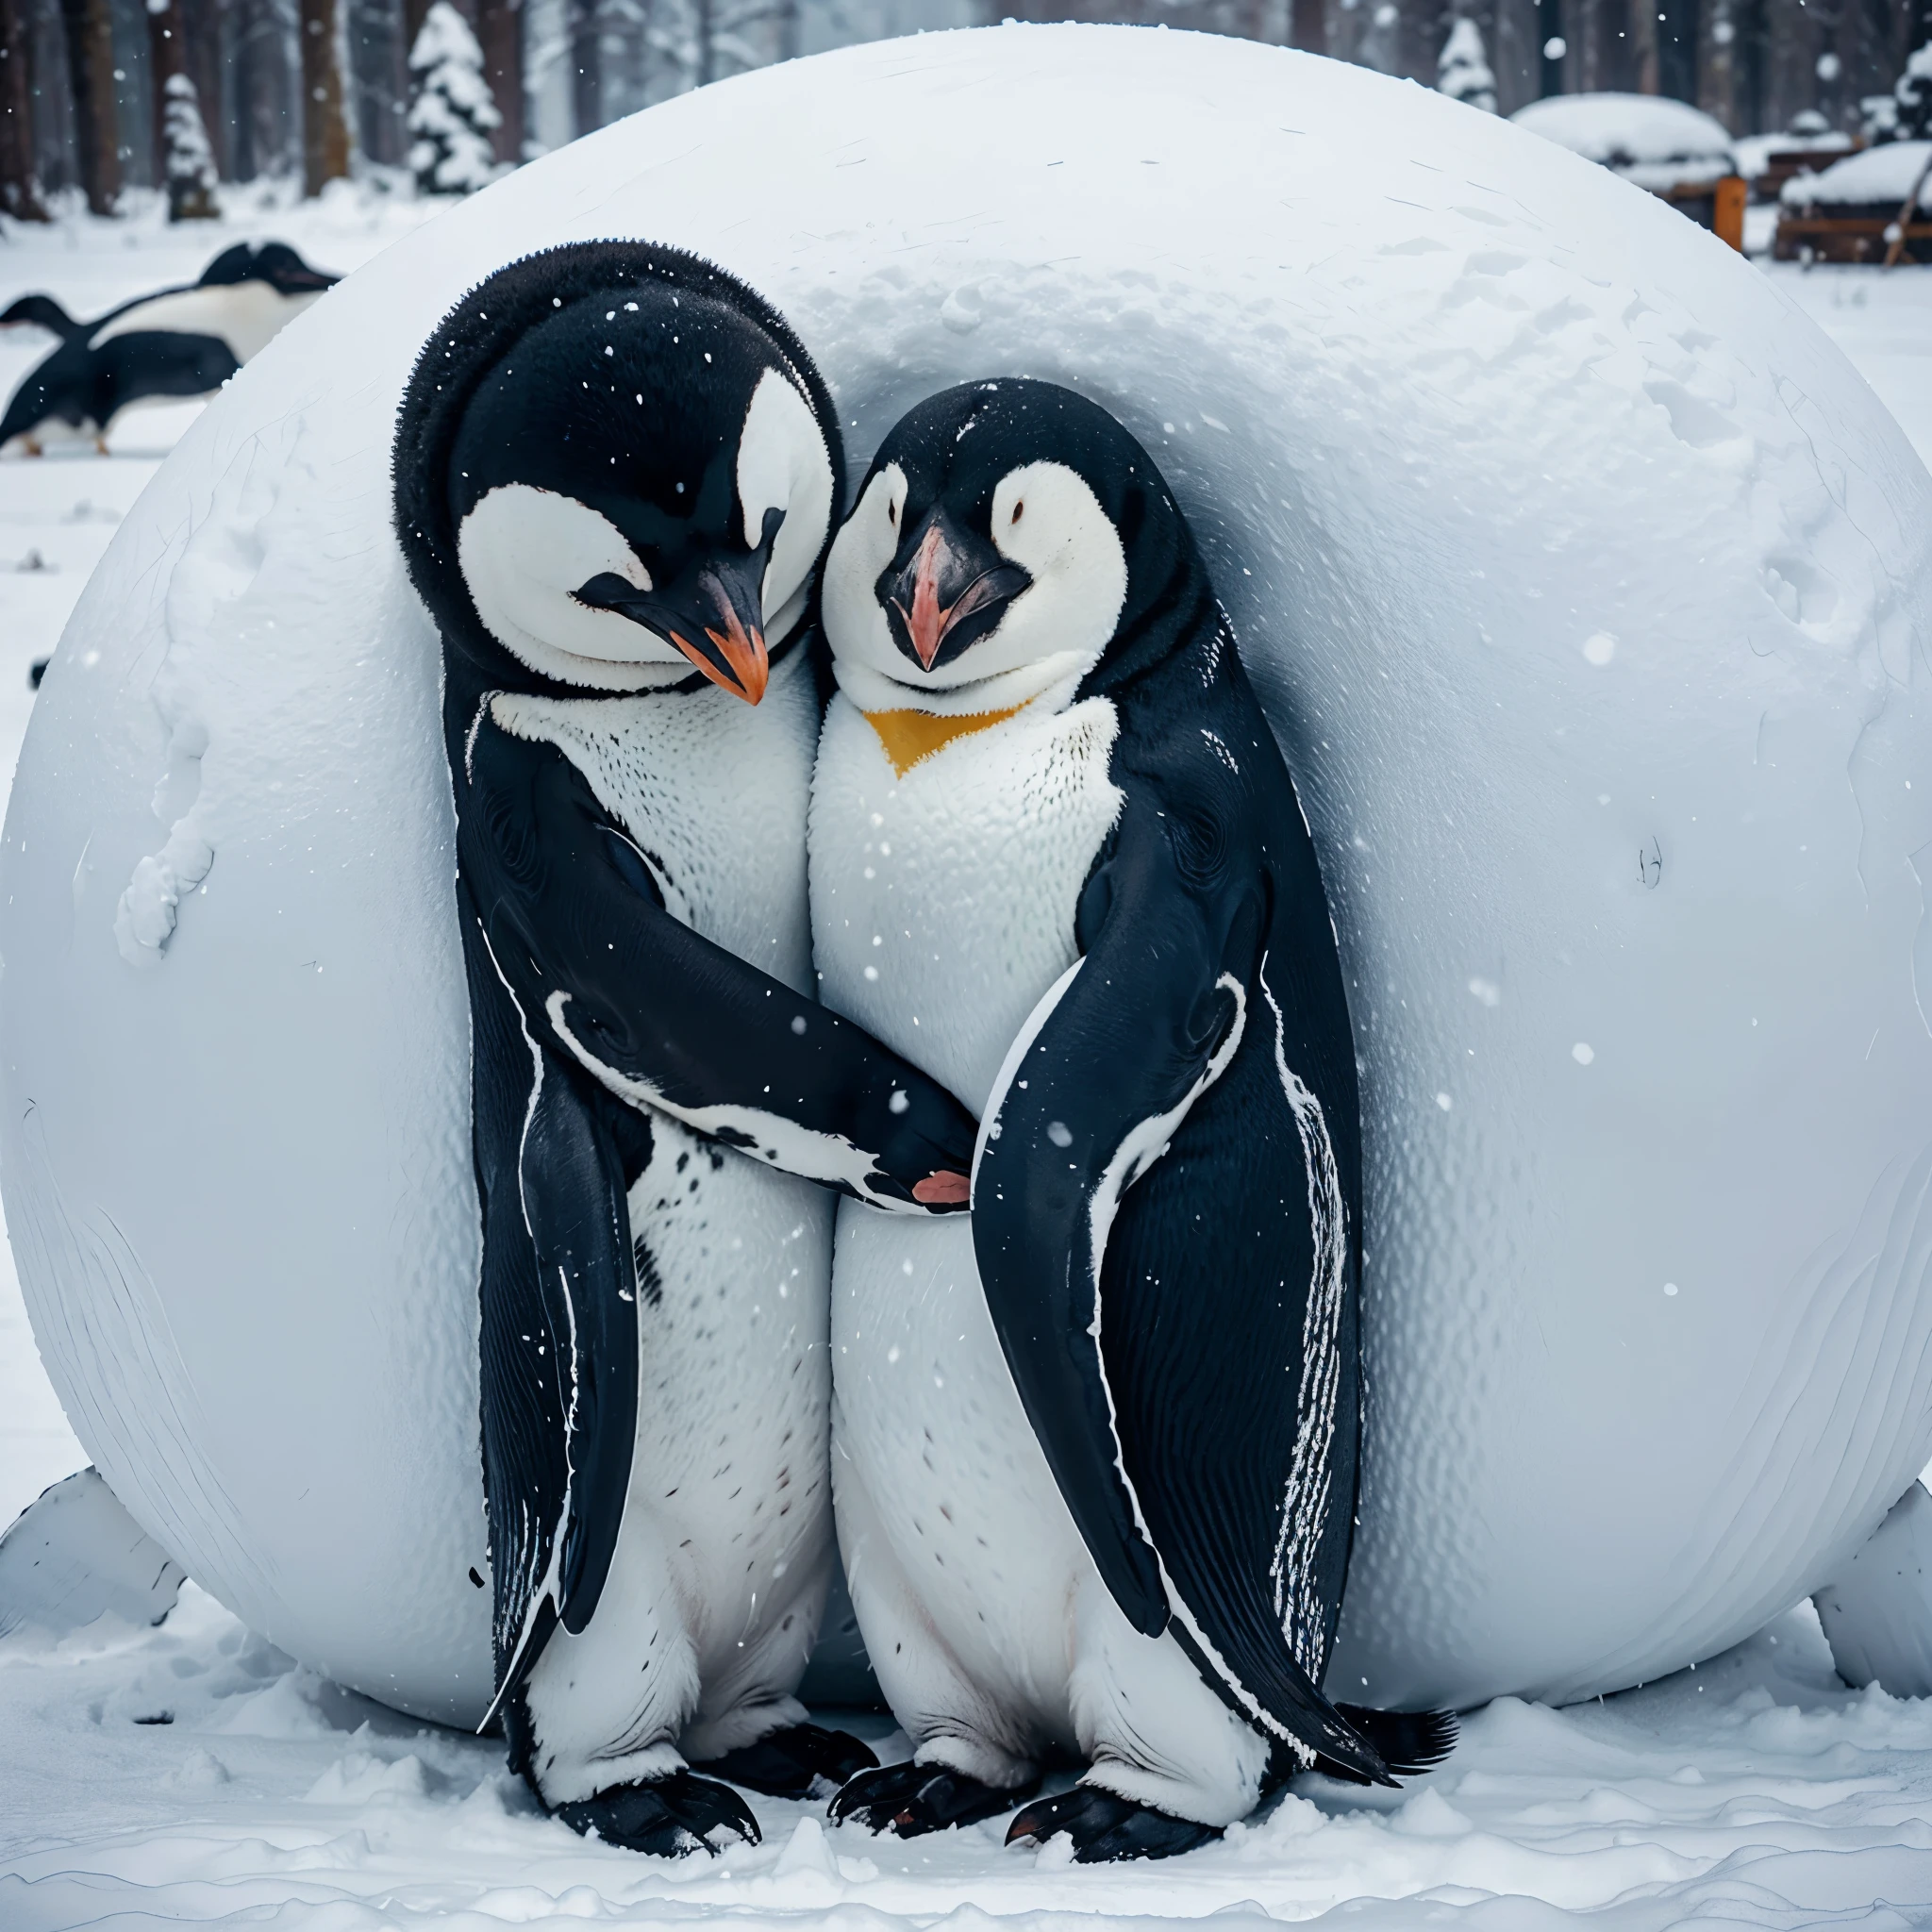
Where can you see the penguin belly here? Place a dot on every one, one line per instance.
(943, 903)
(712, 1604)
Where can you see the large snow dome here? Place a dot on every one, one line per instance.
(1587, 588)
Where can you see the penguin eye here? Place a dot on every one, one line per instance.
(1017, 509)
(892, 513)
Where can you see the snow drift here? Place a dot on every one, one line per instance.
(1587, 586)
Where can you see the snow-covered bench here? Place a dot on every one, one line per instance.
(1850, 212)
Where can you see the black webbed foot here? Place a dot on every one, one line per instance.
(1105, 1828)
(801, 1761)
(913, 1799)
(670, 1817)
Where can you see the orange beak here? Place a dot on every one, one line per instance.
(951, 579)
(736, 661)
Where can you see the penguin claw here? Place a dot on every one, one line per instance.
(800, 1761)
(668, 1818)
(1105, 1828)
(913, 1799)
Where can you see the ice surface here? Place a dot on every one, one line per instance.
(1445, 408)
(1654, 142)
(1883, 175)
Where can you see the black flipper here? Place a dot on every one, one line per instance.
(559, 1341)
(663, 1017)
(1119, 1356)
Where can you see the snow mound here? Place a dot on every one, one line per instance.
(1881, 176)
(1586, 584)
(1648, 140)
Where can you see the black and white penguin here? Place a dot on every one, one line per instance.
(616, 472)
(1096, 1451)
(173, 345)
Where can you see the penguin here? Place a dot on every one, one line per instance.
(174, 344)
(616, 471)
(1094, 1454)
(39, 312)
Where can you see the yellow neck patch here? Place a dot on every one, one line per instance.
(909, 735)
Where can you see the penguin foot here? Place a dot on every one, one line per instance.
(913, 1799)
(668, 1817)
(800, 1761)
(1105, 1828)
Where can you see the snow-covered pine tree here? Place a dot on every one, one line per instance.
(1913, 94)
(1463, 71)
(191, 162)
(452, 113)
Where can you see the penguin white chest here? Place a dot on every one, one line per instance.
(943, 902)
(944, 885)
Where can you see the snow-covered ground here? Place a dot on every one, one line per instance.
(192, 1773)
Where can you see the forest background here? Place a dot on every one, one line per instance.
(98, 98)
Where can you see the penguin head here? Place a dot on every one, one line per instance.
(639, 483)
(274, 262)
(1007, 531)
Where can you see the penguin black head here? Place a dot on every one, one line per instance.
(274, 262)
(617, 463)
(1009, 530)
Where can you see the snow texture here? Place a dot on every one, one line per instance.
(1648, 140)
(1880, 178)
(1584, 585)
(453, 110)
(1462, 72)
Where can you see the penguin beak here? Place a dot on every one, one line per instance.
(947, 591)
(714, 615)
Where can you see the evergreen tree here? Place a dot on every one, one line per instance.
(191, 162)
(1914, 93)
(1462, 72)
(452, 114)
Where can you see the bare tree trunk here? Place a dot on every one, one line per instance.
(708, 47)
(586, 68)
(500, 32)
(1308, 26)
(325, 133)
(91, 62)
(20, 183)
(1643, 52)
(1717, 92)
(201, 38)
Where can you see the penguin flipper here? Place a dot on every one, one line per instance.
(1149, 1457)
(559, 1354)
(666, 1019)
